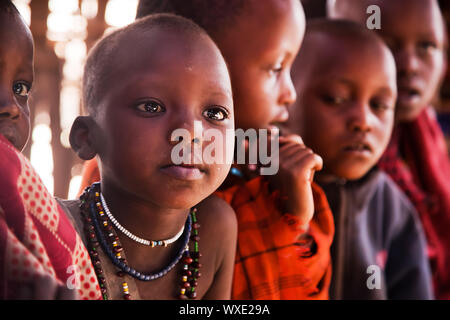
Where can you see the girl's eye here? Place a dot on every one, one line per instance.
(21, 89)
(333, 100)
(217, 114)
(150, 107)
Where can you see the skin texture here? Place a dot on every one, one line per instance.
(150, 94)
(16, 78)
(260, 47)
(415, 32)
(339, 106)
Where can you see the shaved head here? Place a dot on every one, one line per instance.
(102, 60)
(416, 33)
(321, 32)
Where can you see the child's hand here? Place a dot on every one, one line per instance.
(45, 288)
(297, 165)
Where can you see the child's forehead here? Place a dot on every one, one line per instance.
(159, 49)
(161, 59)
(328, 55)
(419, 17)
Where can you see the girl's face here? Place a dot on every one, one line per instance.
(16, 78)
(414, 31)
(157, 86)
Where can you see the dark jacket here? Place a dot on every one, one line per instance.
(379, 249)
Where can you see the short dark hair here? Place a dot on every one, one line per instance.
(213, 16)
(98, 61)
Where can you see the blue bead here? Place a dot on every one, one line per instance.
(133, 272)
(127, 269)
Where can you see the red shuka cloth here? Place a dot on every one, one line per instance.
(418, 162)
(36, 236)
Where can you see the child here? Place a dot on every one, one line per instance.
(347, 118)
(416, 158)
(141, 83)
(276, 258)
(41, 254)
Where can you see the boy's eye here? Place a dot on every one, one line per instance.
(380, 106)
(217, 114)
(427, 45)
(277, 69)
(150, 107)
(21, 89)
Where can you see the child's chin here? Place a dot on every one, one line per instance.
(181, 201)
(353, 173)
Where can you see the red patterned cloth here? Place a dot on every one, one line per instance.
(275, 258)
(36, 236)
(417, 160)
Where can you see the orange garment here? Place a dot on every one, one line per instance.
(90, 175)
(275, 259)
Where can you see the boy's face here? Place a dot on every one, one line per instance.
(155, 87)
(259, 48)
(345, 109)
(16, 78)
(414, 31)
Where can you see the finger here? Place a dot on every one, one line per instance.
(295, 154)
(295, 138)
(307, 165)
(311, 161)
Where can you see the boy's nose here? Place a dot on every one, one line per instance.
(360, 119)
(407, 61)
(190, 126)
(288, 94)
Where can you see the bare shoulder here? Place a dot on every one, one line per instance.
(218, 237)
(218, 227)
(217, 216)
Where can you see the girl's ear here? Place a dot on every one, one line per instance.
(81, 137)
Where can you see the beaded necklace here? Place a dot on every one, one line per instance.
(100, 233)
(151, 243)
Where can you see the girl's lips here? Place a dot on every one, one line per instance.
(408, 96)
(181, 172)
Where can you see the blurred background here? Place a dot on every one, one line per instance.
(64, 31)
